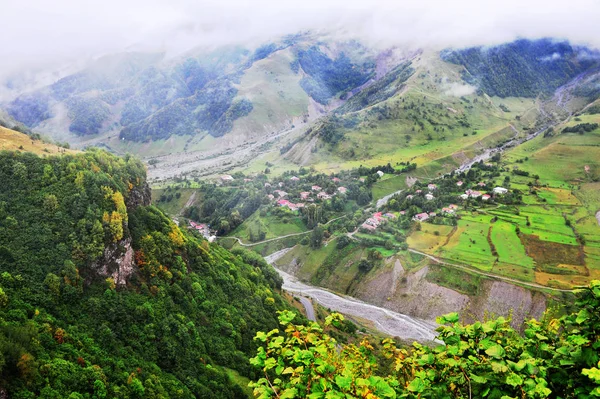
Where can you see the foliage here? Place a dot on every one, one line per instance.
(553, 358)
(581, 128)
(77, 321)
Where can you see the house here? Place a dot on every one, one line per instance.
(410, 196)
(464, 196)
(432, 214)
(280, 193)
(448, 211)
(316, 188)
(419, 191)
(481, 184)
(294, 178)
(420, 217)
(377, 216)
(271, 197)
(226, 178)
(500, 190)
(288, 204)
(267, 185)
(304, 195)
(403, 213)
(247, 180)
(380, 173)
(459, 183)
(283, 202)
(485, 197)
(280, 184)
(453, 206)
(371, 224)
(473, 194)
(429, 197)
(389, 216)
(323, 195)
(336, 180)
(342, 190)
(367, 226)
(202, 228)
(362, 180)
(432, 187)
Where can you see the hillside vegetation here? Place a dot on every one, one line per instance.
(554, 358)
(103, 296)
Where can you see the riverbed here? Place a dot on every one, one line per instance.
(385, 320)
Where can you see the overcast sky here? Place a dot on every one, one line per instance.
(43, 34)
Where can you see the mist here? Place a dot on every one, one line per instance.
(44, 40)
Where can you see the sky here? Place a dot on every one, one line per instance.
(42, 35)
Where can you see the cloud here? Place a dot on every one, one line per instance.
(39, 35)
(458, 89)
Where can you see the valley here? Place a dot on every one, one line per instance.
(239, 216)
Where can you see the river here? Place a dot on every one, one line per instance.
(385, 320)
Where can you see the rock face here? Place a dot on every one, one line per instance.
(117, 262)
(139, 196)
(411, 293)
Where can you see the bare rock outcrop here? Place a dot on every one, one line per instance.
(139, 196)
(410, 293)
(117, 262)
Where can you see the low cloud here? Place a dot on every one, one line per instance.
(456, 89)
(53, 36)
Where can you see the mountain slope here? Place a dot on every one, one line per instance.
(102, 295)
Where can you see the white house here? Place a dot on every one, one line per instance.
(500, 190)
(227, 178)
(431, 187)
(429, 197)
(380, 173)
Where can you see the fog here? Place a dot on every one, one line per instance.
(59, 36)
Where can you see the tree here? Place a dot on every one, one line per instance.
(364, 265)
(316, 237)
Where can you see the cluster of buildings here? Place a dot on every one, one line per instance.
(476, 194)
(308, 196)
(374, 221)
(203, 229)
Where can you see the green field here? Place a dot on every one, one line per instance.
(272, 226)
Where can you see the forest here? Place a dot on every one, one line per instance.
(523, 68)
(78, 320)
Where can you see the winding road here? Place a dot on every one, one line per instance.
(386, 321)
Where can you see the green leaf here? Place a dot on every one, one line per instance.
(417, 385)
(593, 374)
(495, 351)
(289, 393)
(514, 380)
(449, 318)
(582, 316)
(343, 382)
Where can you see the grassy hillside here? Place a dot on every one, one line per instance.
(11, 140)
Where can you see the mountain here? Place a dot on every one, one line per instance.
(102, 295)
(309, 100)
